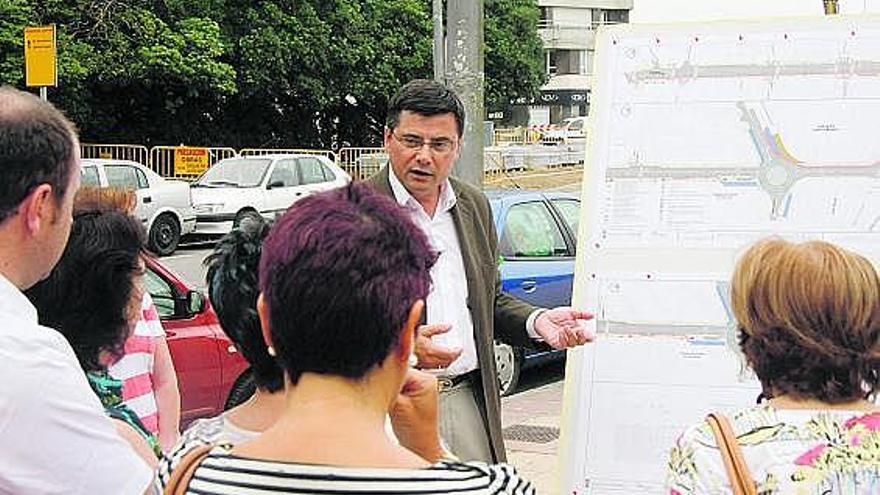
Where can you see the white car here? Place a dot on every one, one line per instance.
(572, 129)
(239, 187)
(164, 205)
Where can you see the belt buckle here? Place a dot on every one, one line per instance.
(444, 383)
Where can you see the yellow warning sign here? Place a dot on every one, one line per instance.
(40, 56)
(190, 161)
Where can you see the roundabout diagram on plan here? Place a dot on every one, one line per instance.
(738, 135)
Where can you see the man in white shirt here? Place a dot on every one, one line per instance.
(466, 309)
(54, 435)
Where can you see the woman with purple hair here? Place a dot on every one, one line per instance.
(343, 276)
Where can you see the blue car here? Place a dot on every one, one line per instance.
(536, 242)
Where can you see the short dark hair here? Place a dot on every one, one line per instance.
(339, 274)
(425, 97)
(233, 267)
(809, 318)
(37, 146)
(87, 294)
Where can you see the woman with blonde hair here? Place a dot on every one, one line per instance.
(809, 326)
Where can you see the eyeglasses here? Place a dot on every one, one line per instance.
(439, 146)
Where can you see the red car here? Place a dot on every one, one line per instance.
(211, 373)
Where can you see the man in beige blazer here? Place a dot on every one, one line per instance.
(466, 309)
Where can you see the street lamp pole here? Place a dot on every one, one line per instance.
(439, 49)
(465, 75)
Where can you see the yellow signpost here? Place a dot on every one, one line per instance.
(40, 56)
(190, 161)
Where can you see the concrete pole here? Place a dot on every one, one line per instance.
(439, 48)
(465, 76)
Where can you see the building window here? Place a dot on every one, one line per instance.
(546, 15)
(565, 62)
(552, 64)
(617, 16)
(610, 16)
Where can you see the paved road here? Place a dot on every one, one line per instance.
(531, 421)
(187, 261)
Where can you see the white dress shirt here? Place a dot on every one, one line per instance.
(54, 433)
(447, 300)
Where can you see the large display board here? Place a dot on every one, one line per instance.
(704, 138)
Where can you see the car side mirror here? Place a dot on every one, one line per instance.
(195, 302)
(274, 184)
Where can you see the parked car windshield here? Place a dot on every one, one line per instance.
(575, 124)
(234, 172)
(90, 176)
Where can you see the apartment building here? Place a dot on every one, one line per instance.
(568, 31)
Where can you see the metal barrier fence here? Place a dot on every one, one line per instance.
(282, 151)
(361, 163)
(133, 152)
(493, 163)
(162, 160)
(500, 160)
(516, 135)
(189, 162)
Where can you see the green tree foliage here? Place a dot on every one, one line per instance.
(261, 73)
(14, 16)
(514, 54)
(128, 72)
(319, 73)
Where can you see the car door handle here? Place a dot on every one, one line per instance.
(148, 199)
(529, 286)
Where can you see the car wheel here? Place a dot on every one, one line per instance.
(164, 234)
(246, 216)
(508, 365)
(242, 390)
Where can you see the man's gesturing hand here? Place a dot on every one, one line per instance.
(431, 355)
(564, 327)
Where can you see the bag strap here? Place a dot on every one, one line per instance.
(178, 481)
(734, 462)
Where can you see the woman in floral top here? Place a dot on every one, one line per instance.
(809, 323)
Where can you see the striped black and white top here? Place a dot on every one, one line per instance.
(222, 473)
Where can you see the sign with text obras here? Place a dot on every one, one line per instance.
(190, 161)
(40, 56)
